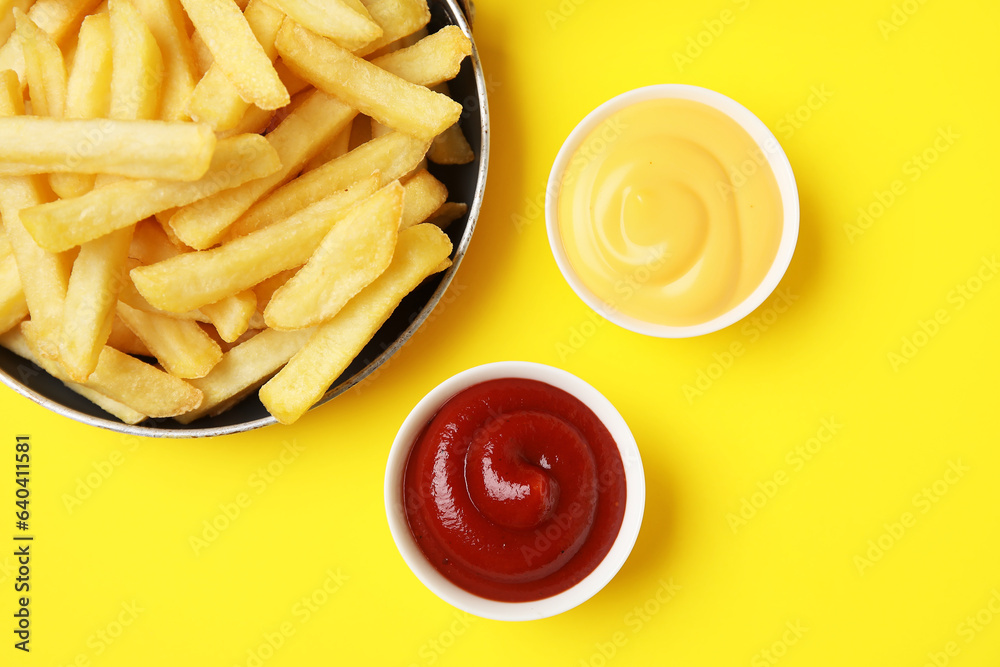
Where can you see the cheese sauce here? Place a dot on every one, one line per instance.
(670, 213)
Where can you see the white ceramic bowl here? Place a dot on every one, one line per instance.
(776, 159)
(635, 485)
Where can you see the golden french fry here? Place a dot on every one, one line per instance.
(293, 82)
(397, 18)
(265, 289)
(44, 275)
(421, 250)
(215, 100)
(13, 307)
(433, 60)
(11, 99)
(202, 56)
(125, 379)
(56, 17)
(254, 121)
(353, 254)
(44, 68)
(297, 139)
(194, 279)
(181, 346)
(409, 40)
(393, 156)
(448, 213)
(150, 243)
(129, 295)
(7, 16)
(137, 65)
(133, 148)
(361, 131)
(123, 340)
(424, 196)
(451, 147)
(88, 92)
(379, 130)
(243, 368)
(339, 146)
(371, 90)
(15, 341)
(236, 51)
(231, 316)
(89, 308)
(62, 224)
(350, 26)
(166, 20)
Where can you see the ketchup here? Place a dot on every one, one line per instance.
(515, 490)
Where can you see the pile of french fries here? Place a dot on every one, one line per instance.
(202, 198)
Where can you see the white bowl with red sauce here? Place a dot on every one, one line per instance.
(597, 544)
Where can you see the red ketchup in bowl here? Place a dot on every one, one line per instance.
(515, 490)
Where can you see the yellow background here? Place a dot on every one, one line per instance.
(793, 563)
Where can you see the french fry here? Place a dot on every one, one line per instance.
(150, 243)
(231, 316)
(88, 92)
(165, 19)
(451, 147)
(181, 346)
(129, 295)
(237, 52)
(434, 59)
(56, 17)
(138, 65)
(243, 368)
(43, 275)
(361, 132)
(420, 252)
(125, 379)
(89, 308)
(379, 130)
(393, 156)
(13, 307)
(353, 254)
(424, 196)
(60, 225)
(122, 339)
(347, 24)
(15, 341)
(293, 82)
(7, 16)
(397, 18)
(202, 56)
(265, 289)
(44, 68)
(194, 279)
(339, 146)
(254, 121)
(137, 149)
(215, 99)
(390, 100)
(297, 139)
(448, 213)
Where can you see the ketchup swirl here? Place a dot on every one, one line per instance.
(515, 490)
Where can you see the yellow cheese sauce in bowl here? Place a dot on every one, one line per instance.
(672, 211)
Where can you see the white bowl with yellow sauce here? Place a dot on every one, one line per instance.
(672, 211)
